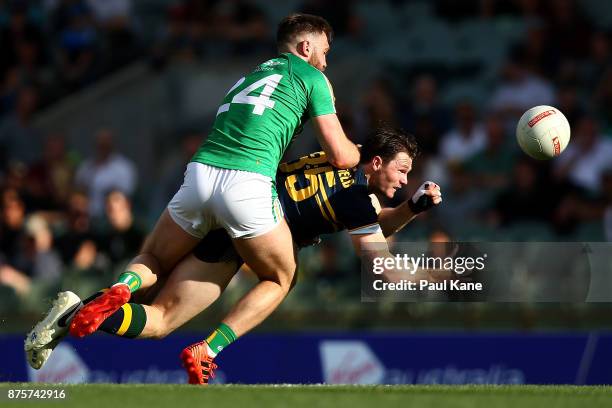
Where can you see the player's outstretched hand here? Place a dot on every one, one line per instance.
(425, 197)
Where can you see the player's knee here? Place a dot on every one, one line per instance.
(282, 277)
(148, 257)
(286, 276)
(285, 272)
(278, 270)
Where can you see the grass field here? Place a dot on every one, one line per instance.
(294, 396)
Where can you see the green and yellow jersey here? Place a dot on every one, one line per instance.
(320, 199)
(262, 112)
(317, 198)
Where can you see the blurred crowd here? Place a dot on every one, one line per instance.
(51, 48)
(68, 220)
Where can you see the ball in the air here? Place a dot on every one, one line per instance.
(543, 132)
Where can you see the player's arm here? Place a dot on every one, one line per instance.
(393, 219)
(370, 246)
(340, 151)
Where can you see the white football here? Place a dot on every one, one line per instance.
(543, 132)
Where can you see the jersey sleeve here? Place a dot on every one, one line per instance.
(322, 100)
(354, 210)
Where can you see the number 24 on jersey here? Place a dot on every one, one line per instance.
(260, 102)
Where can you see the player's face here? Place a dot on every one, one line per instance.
(318, 51)
(392, 175)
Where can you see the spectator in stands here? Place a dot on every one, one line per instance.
(20, 139)
(379, 104)
(113, 17)
(569, 28)
(528, 198)
(172, 171)
(466, 139)
(586, 157)
(568, 102)
(244, 25)
(78, 48)
(489, 168)
(427, 130)
(42, 262)
(122, 239)
(20, 28)
(424, 106)
(12, 225)
(29, 62)
(37, 263)
(539, 57)
(469, 202)
(50, 180)
(12, 235)
(602, 100)
(111, 14)
(519, 89)
(15, 179)
(26, 70)
(106, 171)
(76, 243)
(176, 40)
(593, 68)
(76, 229)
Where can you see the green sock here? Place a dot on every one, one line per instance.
(222, 337)
(131, 279)
(129, 321)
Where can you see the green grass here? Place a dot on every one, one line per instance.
(294, 396)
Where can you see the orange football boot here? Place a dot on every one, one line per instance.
(198, 364)
(91, 316)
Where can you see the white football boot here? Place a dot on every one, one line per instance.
(47, 333)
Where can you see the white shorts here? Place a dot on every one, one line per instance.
(242, 202)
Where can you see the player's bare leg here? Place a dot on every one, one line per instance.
(272, 257)
(191, 288)
(162, 250)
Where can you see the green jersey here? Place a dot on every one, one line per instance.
(262, 112)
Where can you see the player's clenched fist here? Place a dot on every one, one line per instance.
(426, 196)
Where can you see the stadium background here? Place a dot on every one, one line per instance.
(99, 96)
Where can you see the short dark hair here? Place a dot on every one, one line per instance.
(386, 141)
(296, 24)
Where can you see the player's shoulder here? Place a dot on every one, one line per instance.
(311, 161)
(280, 62)
(353, 187)
(354, 194)
(355, 207)
(304, 70)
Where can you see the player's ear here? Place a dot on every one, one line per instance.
(377, 162)
(304, 48)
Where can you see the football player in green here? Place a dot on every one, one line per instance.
(230, 184)
(317, 198)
